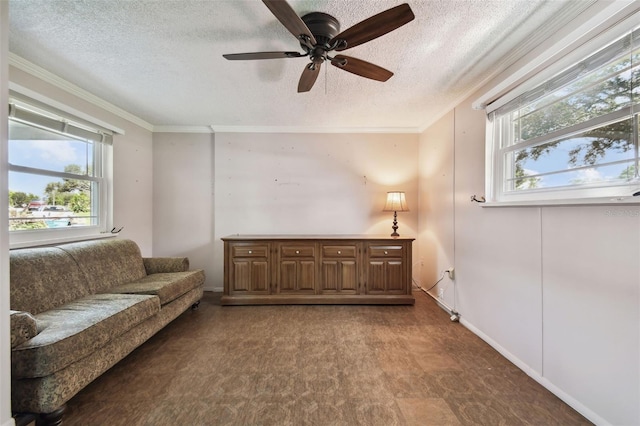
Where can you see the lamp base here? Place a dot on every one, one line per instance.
(395, 225)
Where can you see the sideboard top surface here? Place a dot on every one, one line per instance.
(301, 237)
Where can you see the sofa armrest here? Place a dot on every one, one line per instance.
(155, 265)
(23, 327)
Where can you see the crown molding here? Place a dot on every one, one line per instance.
(48, 77)
(301, 129)
(282, 129)
(182, 129)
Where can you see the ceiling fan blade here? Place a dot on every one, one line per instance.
(262, 55)
(361, 68)
(290, 19)
(375, 26)
(308, 77)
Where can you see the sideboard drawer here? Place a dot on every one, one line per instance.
(339, 251)
(385, 251)
(298, 251)
(251, 251)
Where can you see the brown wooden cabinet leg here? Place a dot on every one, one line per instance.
(52, 419)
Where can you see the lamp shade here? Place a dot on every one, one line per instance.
(396, 202)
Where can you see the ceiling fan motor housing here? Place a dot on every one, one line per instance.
(323, 26)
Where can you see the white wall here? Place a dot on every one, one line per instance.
(436, 218)
(591, 305)
(5, 354)
(133, 186)
(132, 162)
(183, 199)
(497, 252)
(312, 184)
(555, 289)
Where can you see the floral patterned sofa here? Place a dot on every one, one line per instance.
(79, 308)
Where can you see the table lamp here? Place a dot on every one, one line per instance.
(396, 202)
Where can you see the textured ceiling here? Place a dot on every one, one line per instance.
(162, 60)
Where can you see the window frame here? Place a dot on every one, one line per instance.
(102, 175)
(585, 193)
(539, 70)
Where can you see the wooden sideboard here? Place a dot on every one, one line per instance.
(317, 269)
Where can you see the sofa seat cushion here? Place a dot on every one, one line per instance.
(168, 286)
(72, 331)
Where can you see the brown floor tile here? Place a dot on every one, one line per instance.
(434, 361)
(412, 385)
(316, 365)
(427, 412)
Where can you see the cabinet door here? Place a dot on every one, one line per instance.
(386, 269)
(297, 275)
(339, 269)
(250, 276)
(296, 268)
(386, 276)
(250, 271)
(339, 276)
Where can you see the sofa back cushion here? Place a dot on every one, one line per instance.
(42, 278)
(107, 263)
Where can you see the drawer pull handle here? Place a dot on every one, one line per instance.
(386, 252)
(250, 251)
(339, 252)
(297, 251)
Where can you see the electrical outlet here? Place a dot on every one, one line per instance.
(451, 276)
(441, 293)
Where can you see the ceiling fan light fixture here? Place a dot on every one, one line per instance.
(338, 44)
(340, 62)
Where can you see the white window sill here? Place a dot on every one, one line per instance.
(604, 201)
(61, 240)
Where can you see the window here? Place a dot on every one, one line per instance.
(58, 174)
(575, 135)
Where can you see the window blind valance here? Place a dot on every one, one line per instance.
(622, 49)
(49, 121)
(604, 22)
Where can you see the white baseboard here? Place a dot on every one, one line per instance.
(568, 399)
(9, 422)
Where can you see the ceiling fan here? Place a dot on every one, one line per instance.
(319, 33)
